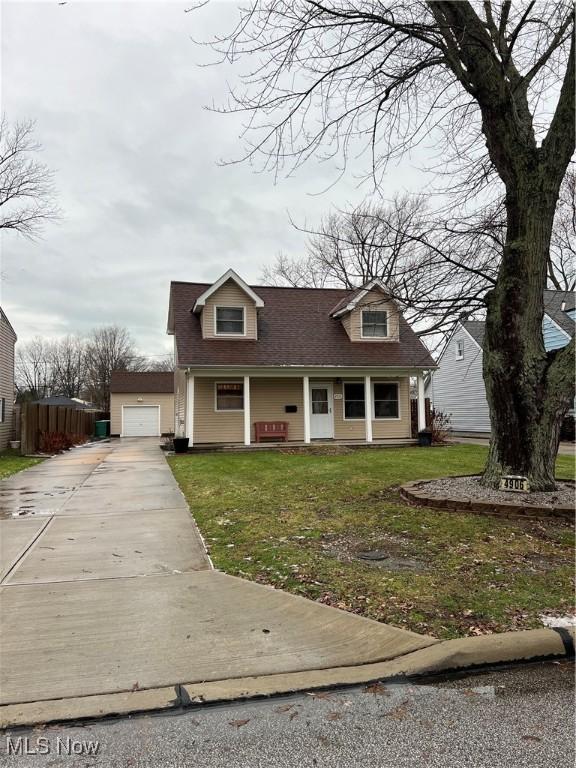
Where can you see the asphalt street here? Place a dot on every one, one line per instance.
(519, 717)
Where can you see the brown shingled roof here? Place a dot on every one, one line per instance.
(294, 329)
(142, 381)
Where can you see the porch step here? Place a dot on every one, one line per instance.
(273, 446)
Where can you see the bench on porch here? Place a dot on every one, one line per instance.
(271, 429)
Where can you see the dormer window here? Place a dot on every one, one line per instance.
(374, 323)
(460, 349)
(229, 321)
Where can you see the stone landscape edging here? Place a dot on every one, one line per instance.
(411, 493)
(448, 655)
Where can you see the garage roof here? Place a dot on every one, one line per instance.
(142, 381)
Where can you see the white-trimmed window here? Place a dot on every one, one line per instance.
(229, 321)
(229, 396)
(385, 398)
(354, 400)
(459, 348)
(2, 410)
(374, 323)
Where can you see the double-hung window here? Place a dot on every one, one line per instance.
(354, 400)
(385, 399)
(229, 321)
(460, 349)
(374, 323)
(229, 396)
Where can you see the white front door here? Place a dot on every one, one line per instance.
(321, 405)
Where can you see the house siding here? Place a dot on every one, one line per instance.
(268, 398)
(457, 387)
(7, 341)
(554, 337)
(352, 322)
(210, 425)
(229, 295)
(346, 429)
(164, 400)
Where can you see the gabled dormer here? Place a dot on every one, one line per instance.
(370, 314)
(228, 309)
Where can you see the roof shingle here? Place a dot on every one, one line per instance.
(142, 381)
(294, 329)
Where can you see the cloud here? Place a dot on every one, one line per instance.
(119, 101)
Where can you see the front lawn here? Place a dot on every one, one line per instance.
(11, 462)
(301, 521)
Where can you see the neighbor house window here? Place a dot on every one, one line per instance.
(229, 396)
(2, 410)
(354, 403)
(230, 320)
(460, 350)
(385, 396)
(374, 323)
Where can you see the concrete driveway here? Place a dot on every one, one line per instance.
(106, 589)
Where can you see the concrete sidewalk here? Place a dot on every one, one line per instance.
(107, 588)
(564, 449)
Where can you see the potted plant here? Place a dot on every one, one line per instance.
(168, 442)
(181, 444)
(425, 437)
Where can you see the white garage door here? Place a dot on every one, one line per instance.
(141, 420)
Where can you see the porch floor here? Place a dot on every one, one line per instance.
(274, 445)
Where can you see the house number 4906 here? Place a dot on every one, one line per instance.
(514, 483)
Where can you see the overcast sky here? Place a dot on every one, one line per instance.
(119, 102)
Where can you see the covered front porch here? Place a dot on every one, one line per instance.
(228, 408)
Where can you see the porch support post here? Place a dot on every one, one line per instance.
(421, 403)
(368, 408)
(306, 396)
(247, 425)
(190, 409)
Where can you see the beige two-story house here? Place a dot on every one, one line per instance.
(300, 364)
(7, 342)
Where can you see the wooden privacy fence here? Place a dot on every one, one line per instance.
(56, 425)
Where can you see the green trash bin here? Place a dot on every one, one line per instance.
(101, 428)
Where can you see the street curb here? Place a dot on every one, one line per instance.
(450, 655)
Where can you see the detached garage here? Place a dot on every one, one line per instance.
(141, 404)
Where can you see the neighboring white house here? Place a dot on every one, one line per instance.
(457, 387)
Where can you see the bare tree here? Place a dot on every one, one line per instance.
(27, 198)
(33, 371)
(438, 269)
(562, 263)
(108, 349)
(435, 274)
(67, 359)
(160, 363)
(478, 78)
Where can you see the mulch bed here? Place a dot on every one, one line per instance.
(466, 494)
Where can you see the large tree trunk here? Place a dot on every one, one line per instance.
(528, 390)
